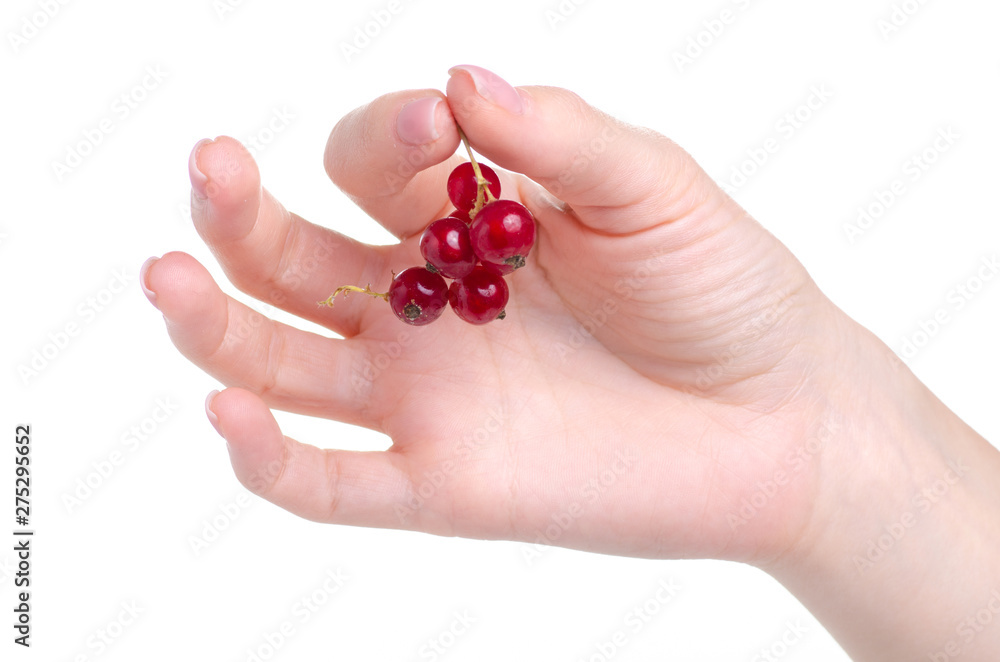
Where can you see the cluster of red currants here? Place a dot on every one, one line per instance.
(479, 243)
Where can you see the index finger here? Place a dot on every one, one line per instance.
(392, 157)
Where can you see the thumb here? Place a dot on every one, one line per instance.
(618, 179)
(710, 275)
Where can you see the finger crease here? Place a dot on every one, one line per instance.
(332, 467)
(281, 468)
(273, 361)
(282, 264)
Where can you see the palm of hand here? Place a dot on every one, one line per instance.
(588, 417)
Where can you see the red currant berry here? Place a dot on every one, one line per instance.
(502, 233)
(461, 215)
(480, 297)
(463, 187)
(446, 246)
(418, 296)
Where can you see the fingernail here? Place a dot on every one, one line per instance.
(416, 123)
(212, 418)
(199, 180)
(150, 294)
(492, 88)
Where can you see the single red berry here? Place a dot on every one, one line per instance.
(480, 297)
(503, 232)
(461, 215)
(418, 296)
(446, 246)
(462, 185)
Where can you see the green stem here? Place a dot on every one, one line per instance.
(367, 289)
(483, 193)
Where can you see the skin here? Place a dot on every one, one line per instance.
(668, 382)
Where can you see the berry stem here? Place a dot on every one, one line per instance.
(367, 289)
(483, 193)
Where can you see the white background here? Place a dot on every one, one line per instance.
(228, 70)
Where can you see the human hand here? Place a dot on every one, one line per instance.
(656, 363)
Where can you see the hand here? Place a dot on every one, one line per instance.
(651, 367)
(668, 381)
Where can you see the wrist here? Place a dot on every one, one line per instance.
(902, 535)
